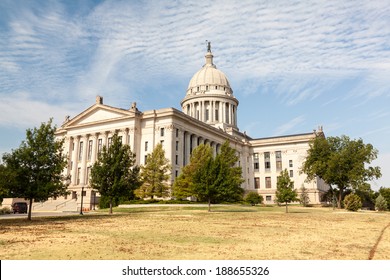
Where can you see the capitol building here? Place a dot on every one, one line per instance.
(208, 115)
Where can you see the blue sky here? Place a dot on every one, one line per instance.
(293, 65)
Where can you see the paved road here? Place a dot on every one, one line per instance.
(41, 214)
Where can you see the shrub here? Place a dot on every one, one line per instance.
(352, 202)
(380, 203)
(253, 198)
(5, 210)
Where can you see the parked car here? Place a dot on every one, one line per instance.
(19, 207)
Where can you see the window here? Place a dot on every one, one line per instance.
(81, 151)
(256, 166)
(216, 114)
(146, 146)
(290, 163)
(256, 156)
(71, 165)
(100, 145)
(176, 173)
(216, 87)
(177, 145)
(268, 198)
(257, 183)
(162, 142)
(207, 114)
(177, 132)
(267, 161)
(176, 159)
(267, 182)
(162, 131)
(291, 173)
(109, 142)
(207, 87)
(88, 175)
(146, 157)
(89, 149)
(278, 156)
(78, 175)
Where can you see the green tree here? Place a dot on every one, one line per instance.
(155, 175)
(183, 186)
(385, 192)
(254, 198)
(380, 203)
(211, 179)
(4, 174)
(34, 171)
(341, 162)
(285, 192)
(114, 174)
(304, 196)
(352, 202)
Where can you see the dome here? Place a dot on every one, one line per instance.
(209, 97)
(209, 79)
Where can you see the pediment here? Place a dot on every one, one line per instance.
(98, 114)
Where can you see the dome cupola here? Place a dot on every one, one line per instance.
(209, 97)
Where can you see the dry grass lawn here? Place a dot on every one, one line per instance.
(227, 233)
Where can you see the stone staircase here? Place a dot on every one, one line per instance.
(55, 205)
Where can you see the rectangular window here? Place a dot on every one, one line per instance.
(207, 115)
(146, 146)
(267, 161)
(71, 165)
(291, 173)
(100, 145)
(109, 142)
(267, 182)
(257, 183)
(177, 132)
(78, 175)
(146, 157)
(88, 175)
(89, 149)
(162, 131)
(256, 166)
(162, 142)
(176, 159)
(268, 198)
(278, 156)
(290, 163)
(216, 114)
(256, 156)
(177, 145)
(81, 151)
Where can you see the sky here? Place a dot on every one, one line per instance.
(293, 65)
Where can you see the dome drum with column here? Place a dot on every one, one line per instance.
(209, 97)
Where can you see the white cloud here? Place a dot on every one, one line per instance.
(287, 127)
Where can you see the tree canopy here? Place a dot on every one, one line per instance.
(155, 175)
(211, 179)
(114, 174)
(341, 162)
(285, 192)
(34, 171)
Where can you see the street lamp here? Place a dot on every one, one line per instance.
(81, 208)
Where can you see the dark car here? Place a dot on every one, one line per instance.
(19, 207)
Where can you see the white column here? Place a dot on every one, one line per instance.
(75, 152)
(84, 160)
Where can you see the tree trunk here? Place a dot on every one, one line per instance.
(286, 208)
(110, 206)
(340, 197)
(29, 210)
(209, 205)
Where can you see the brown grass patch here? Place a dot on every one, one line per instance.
(230, 232)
